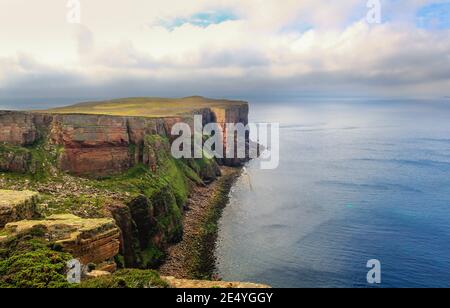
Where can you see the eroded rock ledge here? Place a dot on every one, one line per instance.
(89, 240)
(17, 205)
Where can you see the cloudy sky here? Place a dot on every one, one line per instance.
(251, 49)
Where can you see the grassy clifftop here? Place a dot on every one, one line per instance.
(151, 107)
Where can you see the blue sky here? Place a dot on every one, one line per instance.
(434, 16)
(428, 16)
(200, 19)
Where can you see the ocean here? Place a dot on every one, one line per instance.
(357, 180)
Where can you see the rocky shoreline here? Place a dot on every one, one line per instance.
(193, 257)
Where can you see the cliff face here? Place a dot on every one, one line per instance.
(95, 145)
(130, 156)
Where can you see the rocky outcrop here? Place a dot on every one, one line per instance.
(18, 128)
(17, 205)
(88, 240)
(96, 145)
(15, 160)
(129, 236)
(234, 114)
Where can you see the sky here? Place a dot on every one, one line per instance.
(251, 49)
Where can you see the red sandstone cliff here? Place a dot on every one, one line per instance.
(96, 144)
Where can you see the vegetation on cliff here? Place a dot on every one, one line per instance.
(27, 261)
(153, 107)
(38, 160)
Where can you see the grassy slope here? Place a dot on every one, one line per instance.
(145, 106)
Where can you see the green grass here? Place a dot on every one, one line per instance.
(145, 106)
(26, 262)
(83, 205)
(140, 180)
(40, 159)
(152, 257)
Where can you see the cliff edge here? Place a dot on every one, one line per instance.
(104, 138)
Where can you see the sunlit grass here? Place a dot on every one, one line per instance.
(145, 106)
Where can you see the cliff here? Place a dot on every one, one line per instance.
(108, 163)
(89, 240)
(104, 138)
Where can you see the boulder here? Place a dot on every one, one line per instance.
(96, 274)
(88, 240)
(17, 205)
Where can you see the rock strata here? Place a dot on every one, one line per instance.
(17, 205)
(99, 144)
(88, 240)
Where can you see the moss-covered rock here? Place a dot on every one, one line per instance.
(89, 240)
(39, 160)
(17, 205)
(26, 262)
(14, 158)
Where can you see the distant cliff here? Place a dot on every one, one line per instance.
(105, 143)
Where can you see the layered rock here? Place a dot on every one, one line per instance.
(15, 159)
(88, 240)
(17, 205)
(17, 128)
(96, 144)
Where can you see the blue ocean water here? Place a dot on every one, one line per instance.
(356, 181)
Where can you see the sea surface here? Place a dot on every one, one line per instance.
(357, 180)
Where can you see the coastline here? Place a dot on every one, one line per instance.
(194, 256)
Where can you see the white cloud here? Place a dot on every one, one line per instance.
(124, 44)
